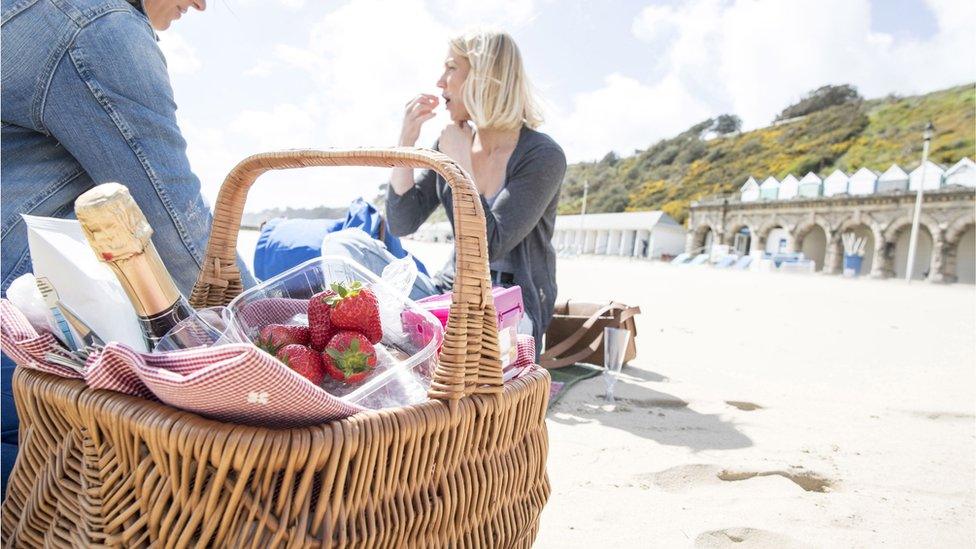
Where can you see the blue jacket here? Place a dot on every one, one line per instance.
(285, 243)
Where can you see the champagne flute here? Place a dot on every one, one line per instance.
(204, 328)
(614, 347)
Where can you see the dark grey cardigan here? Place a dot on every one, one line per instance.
(520, 222)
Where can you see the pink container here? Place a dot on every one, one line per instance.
(508, 303)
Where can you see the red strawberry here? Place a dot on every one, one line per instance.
(356, 308)
(321, 328)
(303, 360)
(276, 336)
(349, 357)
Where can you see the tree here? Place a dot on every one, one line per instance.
(820, 99)
(726, 124)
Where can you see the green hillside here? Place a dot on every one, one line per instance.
(674, 172)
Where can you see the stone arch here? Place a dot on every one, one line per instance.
(804, 227)
(700, 235)
(812, 248)
(735, 227)
(874, 247)
(852, 223)
(899, 223)
(958, 263)
(767, 227)
(958, 227)
(931, 242)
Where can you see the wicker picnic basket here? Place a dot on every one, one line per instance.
(466, 468)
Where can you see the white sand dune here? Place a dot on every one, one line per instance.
(768, 410)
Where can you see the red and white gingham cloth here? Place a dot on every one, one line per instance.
(236, 383)
(25, 346)
(524, 360)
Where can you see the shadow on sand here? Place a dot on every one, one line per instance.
(645, 412)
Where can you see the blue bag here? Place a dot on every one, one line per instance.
(284, 243)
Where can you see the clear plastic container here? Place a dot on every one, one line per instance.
(405, 362)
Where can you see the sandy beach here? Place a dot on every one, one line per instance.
(768, 410)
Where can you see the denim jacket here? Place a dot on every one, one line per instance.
(87, 100)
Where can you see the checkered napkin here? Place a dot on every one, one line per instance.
(21, 342)
(524, 360)
(237, 383)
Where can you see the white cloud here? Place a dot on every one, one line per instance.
(657, 23)
(260, 69)
(211, 156)
(284, 126)
(181, 57)
(753, 58)
(622, 115)
(502, 13)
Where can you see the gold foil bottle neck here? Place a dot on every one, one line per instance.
(112, 221)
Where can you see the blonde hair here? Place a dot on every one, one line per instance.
(497, 92)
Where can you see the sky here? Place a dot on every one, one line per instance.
(259, 75)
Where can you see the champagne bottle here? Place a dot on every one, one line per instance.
(120, 235)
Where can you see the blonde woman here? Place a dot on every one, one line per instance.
(518, 172)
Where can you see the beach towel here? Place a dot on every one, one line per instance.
(285, 243)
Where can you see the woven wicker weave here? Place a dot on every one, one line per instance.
(464, 469)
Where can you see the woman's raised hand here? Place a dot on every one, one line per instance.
(455, 141)
(419, 110)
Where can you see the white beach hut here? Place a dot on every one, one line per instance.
(769, 190)
(962, 173)
(864, 181)
(933, 176)
(835, 183)
(749, 190)
(811, 186)
(641, 234)
(789, 187)
(893, 179)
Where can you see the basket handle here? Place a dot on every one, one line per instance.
(469, 358)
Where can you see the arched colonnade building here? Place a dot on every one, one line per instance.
(815, 225)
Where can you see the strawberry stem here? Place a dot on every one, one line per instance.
(352, 360)
(343, 291)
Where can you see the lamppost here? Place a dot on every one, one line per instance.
(581, 247)
(913, 240)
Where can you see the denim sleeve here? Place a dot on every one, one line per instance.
(110, 104)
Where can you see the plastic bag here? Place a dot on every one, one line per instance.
(61, 253)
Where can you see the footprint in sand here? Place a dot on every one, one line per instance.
(746, 537)
(656, 402)
(810, 482)
(685, 477)
(942, 416)
(744, 406)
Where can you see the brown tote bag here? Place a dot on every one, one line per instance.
(576, 332)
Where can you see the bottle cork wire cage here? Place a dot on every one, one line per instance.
(465, 468)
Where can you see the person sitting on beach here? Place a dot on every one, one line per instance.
(518, 172)
(87, 100)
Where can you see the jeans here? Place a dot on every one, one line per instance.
(8, 416)
(87, 100)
